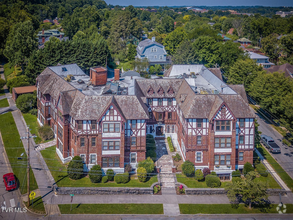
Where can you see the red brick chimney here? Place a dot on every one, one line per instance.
(116, 74)
(98, 76)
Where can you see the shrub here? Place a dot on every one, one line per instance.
(206, 171)
(121, 178)
(2, 83)
(156, 190)
(188, 168)
(152, 154)
(75, 168)
(128, 168)
(148, 164)
(247, 168)
(236, 173)
(96, 174)
(171, 147)
(213, 181)
(33, 111)
(261, 170)
(26, 102)
(236, 179)
(110, 174)
(17, 82)
(150, 142)
(199, 175)
(142, 174)
(181, 189)
(214, 173)
(177, 157)
(45, 132)
(105, 179)
(257, 161)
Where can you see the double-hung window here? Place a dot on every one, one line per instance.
(241, 139)
(241, 122)
(111, 145)
(241, 156)
(169, 115)
(93, 141)
(94, 125)
(150, 102)
(222, 142)
(170, 102)
(160, 102)
(132, 157)
(93, 159)
(198, 140)
(222, 159)
(198, 156)
(82, 144)
(133, 141)
(79, 125)
(133, 124)
(199, 123)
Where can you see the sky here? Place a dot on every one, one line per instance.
(201, 2)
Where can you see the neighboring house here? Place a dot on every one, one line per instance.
(230, 31)
(244, 42)
(17, 91)
(260, 59)
(224, 37)
(284, 13)
(214, 130)
(153, 51)
(130, 73)
(44, 36)
(48, 21)
(285, 68)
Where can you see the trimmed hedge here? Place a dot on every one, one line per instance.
(75, 168)
(199, 175)
(142, 174)
(213, 181)
(148, 164)
(188, 168)
(105, 179)
(121, 178)
(171, 147)
(110, 174)
(95, 174)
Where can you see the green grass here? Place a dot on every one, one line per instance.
(269, 180)
(31, 121)
(2, 92)
(36, 205)
(59, 172)
(4, 103)
(227, 209)
(191, 182)
(126, 66)
(276, 166)
(112, 209)
(14, 149)
(8, 69)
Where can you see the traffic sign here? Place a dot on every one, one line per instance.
(71, 194)
(32, 195)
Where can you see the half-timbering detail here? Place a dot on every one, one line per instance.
(214, 130)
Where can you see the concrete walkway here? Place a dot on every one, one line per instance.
(46, 145)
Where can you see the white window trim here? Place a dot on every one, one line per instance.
(90, 159)
(201, 153)
(135, 157)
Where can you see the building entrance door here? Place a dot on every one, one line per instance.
(159, 130)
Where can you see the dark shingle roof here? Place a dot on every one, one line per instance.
(130, 73)
(240, 90)
(285, 68)
(217, 72)
(146, 43)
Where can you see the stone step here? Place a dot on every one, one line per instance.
(171, 209)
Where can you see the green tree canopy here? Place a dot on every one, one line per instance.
(173, 40)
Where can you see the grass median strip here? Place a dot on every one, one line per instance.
(31, 121)
(59, 172)
(112, 209)
(4, 103)
(276, 166)
(228, 209)
(14, 149)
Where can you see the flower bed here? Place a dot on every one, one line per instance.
(171, 147)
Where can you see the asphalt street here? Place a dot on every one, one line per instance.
(285, 158)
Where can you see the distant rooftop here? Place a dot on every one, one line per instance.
(254, 56)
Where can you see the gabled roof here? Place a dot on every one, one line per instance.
(217, 72)
(240, 90)
(130, 73)
(147, 43)
(253, 55)
(242, 40)
(285, 68)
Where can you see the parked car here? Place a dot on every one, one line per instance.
(270, 144)
(9, 181)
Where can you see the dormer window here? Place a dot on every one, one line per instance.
(160, 91)
(150, 91)
(223, 125)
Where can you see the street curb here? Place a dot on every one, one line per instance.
(34, 212)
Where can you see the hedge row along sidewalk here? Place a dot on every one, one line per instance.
(112, 209)
(277, 167)
(14, 149)
(228, 209)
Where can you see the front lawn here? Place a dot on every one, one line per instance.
(191, 182)
(14, 149)
(2, 92)
(59, 172)
(4, 103)
(228, 209)
(36, 205)
(269, 180)
(31, 121)
(112, 209)
(276, 166)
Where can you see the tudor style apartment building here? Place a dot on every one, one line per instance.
(209, 122)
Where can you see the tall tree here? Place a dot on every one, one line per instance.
(172, 40)
(248, 190)
(167, 24)
(20, 44)
(269, 45)
(185, 53)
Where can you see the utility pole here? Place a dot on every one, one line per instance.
(28, 162)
